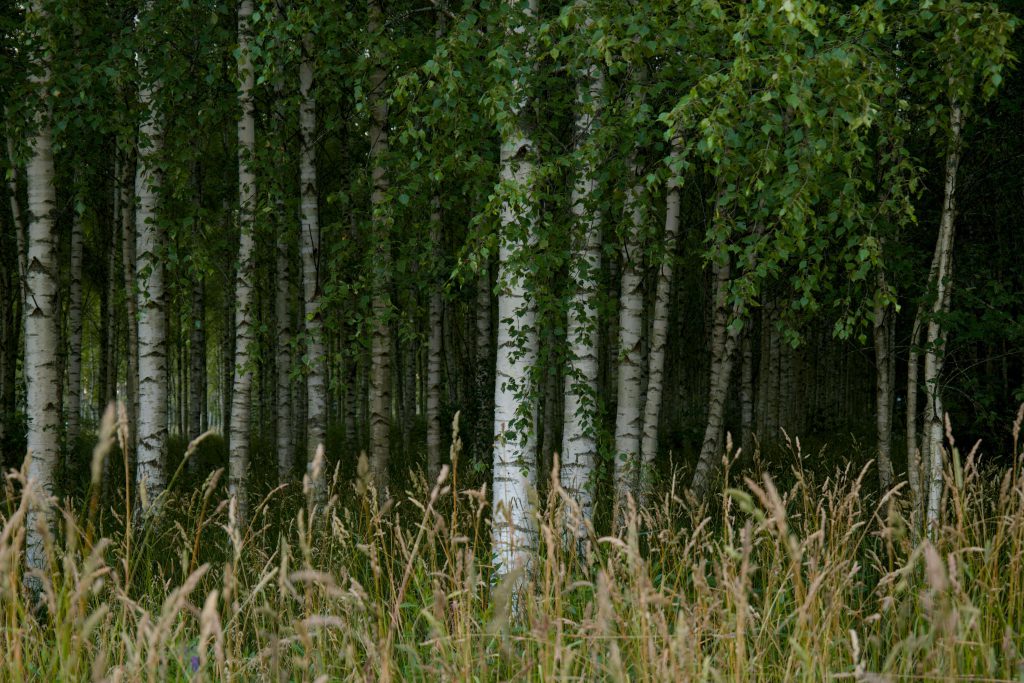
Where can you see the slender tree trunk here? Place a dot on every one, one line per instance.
(107, 391)
(73, 399)
(41, 333)
(723, 343)
(434, 355)
(152, 307)
(914, 474)
(934, 354)
(659, 337)
(747, 393)
(283, 363)
(581, 414)
(628, 405)
(197, 359)
(19, 218)
(514, 536)
(312, 274)
(884, 388)
(128, 267)
(13, 350)
(381, 343)
(241, 398)
(484, 386)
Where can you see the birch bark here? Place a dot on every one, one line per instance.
(434, 358)
(628, 405)
(42, 381)
(152, 321)
(934, 353)
(241, 393)
(580, 417)
(659, 337)
(381, 340)
(316, 369)
(723, 344)
(514, 535)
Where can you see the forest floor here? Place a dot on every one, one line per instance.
(822, 579)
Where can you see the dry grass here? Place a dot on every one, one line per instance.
(821, 581)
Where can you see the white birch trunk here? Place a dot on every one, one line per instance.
(480, 380)
(884, 386)
(73, 397)
(659, 337)
(483, 315)
(152, 322)
(631, 306)
(723, 343)
(316, 370)
(434, 359)
(579, 433)
(914, 474)
(197, 360)
(283, 362)
(747, 394)
(934, 354)
(514, 535)
(381, 342)
(238, 456)
(42, 380)
(16, 213)
(127, 228)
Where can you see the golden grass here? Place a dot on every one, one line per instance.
(821, 581)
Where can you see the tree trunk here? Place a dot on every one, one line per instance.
(8, 400)
(434, 355)
(723, 343)
(152, 325)
(941, 285)
(197, 359)
(312, 274)
(659, 337)
(238, 457)
(514, 537)
(483, 387)
(628, 404)
(127, 228)
(380, 361)
(747, 393)
(73, 398)
(915, 476)
(581, 414)
(884, 387)
(41, 333)
(283, 362)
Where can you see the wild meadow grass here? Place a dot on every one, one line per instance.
(821, 580)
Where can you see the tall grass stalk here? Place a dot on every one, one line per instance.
(820, 579)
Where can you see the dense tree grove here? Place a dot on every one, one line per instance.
(626, 239)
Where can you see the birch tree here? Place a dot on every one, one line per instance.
(970, 42)
(42, 381)
(659, 336)
(316, 379)
(151, 303)
(238, 458)
(579, 436)
(513, 530)
(434, 354)
(629, 407)
(381, 342)
(73, 397)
